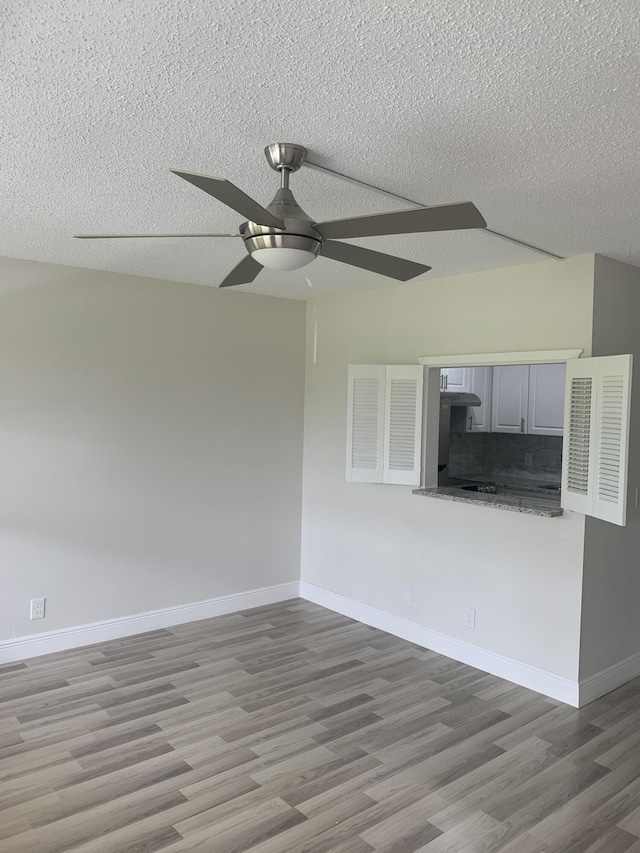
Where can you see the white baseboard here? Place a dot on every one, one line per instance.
(547, 683)
(555, 686)
(34, 645)
(608, 679)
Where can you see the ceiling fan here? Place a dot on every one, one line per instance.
(282, 236)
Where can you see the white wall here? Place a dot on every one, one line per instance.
(611, 593)
(522, 573)
(150, 443)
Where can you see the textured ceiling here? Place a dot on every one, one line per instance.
(531, 110)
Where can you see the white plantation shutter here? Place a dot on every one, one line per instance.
(365, 423)
(384, 423)
(403, 424)
(597, 412)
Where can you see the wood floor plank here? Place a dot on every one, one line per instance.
(476, 832)
(413, 818)
(292, 729)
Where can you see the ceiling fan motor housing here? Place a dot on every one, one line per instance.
(298, 237)
(298, 232)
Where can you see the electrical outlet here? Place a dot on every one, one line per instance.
(37, 608)
(528, 460)
(470, 617)
(407, 596)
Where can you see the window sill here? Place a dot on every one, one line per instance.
(528, 505)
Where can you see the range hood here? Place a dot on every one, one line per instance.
(458, 398)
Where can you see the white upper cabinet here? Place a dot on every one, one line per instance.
(522, 398)
(479, 418)
(471, 380)
(510, 401)
(528, 399)
(546, 399)
(456, 379)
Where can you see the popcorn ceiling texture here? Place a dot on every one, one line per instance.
(528, 109)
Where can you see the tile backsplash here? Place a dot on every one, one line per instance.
(465, 454)
(503, 453)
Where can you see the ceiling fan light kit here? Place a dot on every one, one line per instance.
(281, 236)
(284, 258)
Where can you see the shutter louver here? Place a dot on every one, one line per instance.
(611, 414)
(365, 423)
(594, 479)
(365, 450)
(579, 435)
(403, 424)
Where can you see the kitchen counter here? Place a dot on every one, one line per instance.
(536, 504)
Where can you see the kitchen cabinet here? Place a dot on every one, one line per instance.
(480, 383)
(528, 399)
(518, 398)
(546, 399)
(473, 380)
(510, 399)
(455, 379)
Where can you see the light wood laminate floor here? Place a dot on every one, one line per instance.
(291, 728)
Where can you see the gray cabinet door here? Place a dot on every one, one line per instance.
(510, 401)
(546, 399)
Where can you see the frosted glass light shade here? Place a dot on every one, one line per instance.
(280, 258)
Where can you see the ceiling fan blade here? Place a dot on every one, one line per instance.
(233, 197)
(242, 273)
(367, 259)
(137, 236)
(442, 217)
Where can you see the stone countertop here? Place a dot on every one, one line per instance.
(549, 508)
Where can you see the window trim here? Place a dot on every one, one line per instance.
(495, 359)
